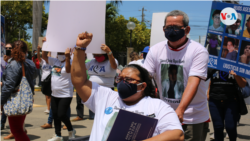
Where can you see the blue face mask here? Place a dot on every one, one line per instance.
(173, 35)
(126, 90)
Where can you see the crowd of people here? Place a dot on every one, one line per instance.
(179, 99)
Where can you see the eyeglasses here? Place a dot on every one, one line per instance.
(126, 79)
(176, 28)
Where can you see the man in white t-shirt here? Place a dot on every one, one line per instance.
(191, 59)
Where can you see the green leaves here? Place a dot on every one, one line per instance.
(117, 34)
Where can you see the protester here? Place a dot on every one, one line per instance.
(232, 54)
(102, 69)
(191, 59)
(62, 92)
(133, 57)
(235, 28)
(216, 22)
(46, 71)
(222, 96)
(4, 60)
(134, 94)
(246, 32)
(245, 57)
(36, 61)
(80, 106)
(11, 79)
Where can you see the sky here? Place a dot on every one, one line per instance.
(198, 12)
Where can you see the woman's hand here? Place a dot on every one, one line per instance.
(84, 39)
(232, 73)
(105, 48)
(67, 52)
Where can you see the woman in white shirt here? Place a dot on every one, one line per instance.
(62, 91)
(135, 90)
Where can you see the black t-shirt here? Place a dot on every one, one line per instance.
(223, 85)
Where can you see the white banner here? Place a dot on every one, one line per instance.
(67, 19)
(157, 33)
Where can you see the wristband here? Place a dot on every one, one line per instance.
(80, 48)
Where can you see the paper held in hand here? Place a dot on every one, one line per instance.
(67, 19)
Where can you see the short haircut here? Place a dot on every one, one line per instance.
(231, 40)
(171, 68)
(178, 13)
(216, 12)
(248, 19)
(248, 44)
(34, 51)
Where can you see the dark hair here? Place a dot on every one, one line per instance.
(216, 12)
(145, 77)
(231, 40)
(134, 56)
(19, 51)
(34, 51)
(171, 68)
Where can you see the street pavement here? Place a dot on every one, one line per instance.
(37, 118)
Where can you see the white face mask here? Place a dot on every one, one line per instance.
(61, 57)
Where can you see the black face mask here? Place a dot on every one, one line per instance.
(8, 52)
(173, 35)
(126, 90)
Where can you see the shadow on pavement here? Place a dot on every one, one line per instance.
(33, 137)
(28, 125)
(79, 126)
(243, 136)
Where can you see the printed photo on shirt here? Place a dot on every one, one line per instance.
(213, 44)
(215, 22)
(246, 32)
(245, 52)
(230, 48)
(172, 81)
(236, 28)
(56, 71)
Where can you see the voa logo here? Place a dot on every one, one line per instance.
(228, 16)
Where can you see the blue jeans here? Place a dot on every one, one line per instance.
(224, 111)
(3, 118)
(50, 118)
(39, 76)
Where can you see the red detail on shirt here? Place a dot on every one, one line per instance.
(37, 63)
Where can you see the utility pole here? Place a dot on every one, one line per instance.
(142, 16)
(199, 39)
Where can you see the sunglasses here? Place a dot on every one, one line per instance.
(175, 28)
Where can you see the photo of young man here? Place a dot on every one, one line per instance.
(216, 22)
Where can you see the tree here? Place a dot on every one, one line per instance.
(18, 19)
(118, 36)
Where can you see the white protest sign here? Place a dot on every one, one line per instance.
(67, 19)
(157, 33)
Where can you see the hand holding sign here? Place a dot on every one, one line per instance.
(84, 39)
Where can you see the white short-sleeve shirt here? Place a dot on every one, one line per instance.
(61, 83)
(101, 72)
(46, 69)
(106, 103)
(172, 69)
